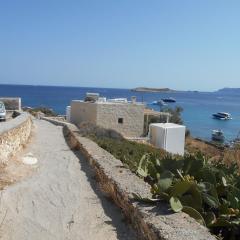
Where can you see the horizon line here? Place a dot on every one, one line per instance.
(72, 86)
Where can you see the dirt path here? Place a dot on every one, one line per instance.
(60, 200)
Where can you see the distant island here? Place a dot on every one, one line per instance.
(146, 89)
(229, 90)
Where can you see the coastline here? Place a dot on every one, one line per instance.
(159, 90)
(146, 89)
(198, 107)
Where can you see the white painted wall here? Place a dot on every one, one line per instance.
(68, 113)
(168, 136)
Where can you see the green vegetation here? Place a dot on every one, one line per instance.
(92, 131)
(207, 191)
(175, 114)
(175, 118)
(47, 111)
(130, 153)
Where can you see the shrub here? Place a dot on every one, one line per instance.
(207, 191)
(175, 114)
(130, 153)
(89, 99)
(91, 130)
(47, 111)
(175, 118)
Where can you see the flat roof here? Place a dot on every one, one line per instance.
(111, 103)
(167, 125)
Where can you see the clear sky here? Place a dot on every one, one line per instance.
(181, 44)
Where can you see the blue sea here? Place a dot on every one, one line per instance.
(198, 106)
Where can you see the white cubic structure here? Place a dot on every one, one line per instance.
(168, 136)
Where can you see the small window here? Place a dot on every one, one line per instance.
(120, 120)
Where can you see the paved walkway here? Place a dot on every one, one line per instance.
(60, 200)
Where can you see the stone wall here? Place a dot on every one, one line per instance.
(151, 222)
(108, 115)
(14, 134)
(83, 112)
(132, 116)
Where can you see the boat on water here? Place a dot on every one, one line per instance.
(118, 100)
(159, 103)
(218, 135)
(169, 100)
(222, 116)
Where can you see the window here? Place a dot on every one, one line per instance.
(120, 120)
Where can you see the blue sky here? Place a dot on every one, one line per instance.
(181, 44)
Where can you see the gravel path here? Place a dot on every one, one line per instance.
(60, 200)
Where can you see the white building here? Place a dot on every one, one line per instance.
(125, 117)
(168, 136)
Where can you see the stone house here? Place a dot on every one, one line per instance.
(126, 118)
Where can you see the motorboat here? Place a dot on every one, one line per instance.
(218, 135)
(159, 103)
(222, 116)
(169, 100)
(117, 100)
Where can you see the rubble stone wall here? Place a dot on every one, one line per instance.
(14, 134)
(151, 221)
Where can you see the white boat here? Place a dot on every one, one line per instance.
(222, 116)
(118, 100)
(159, 103)
(218, 135)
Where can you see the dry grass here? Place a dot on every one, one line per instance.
(46, 111)
(92, 130)
(193, 145)
(232, 156)
(227, 155)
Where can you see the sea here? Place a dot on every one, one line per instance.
(198, 107)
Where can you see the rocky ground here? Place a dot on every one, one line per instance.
(56, 197)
